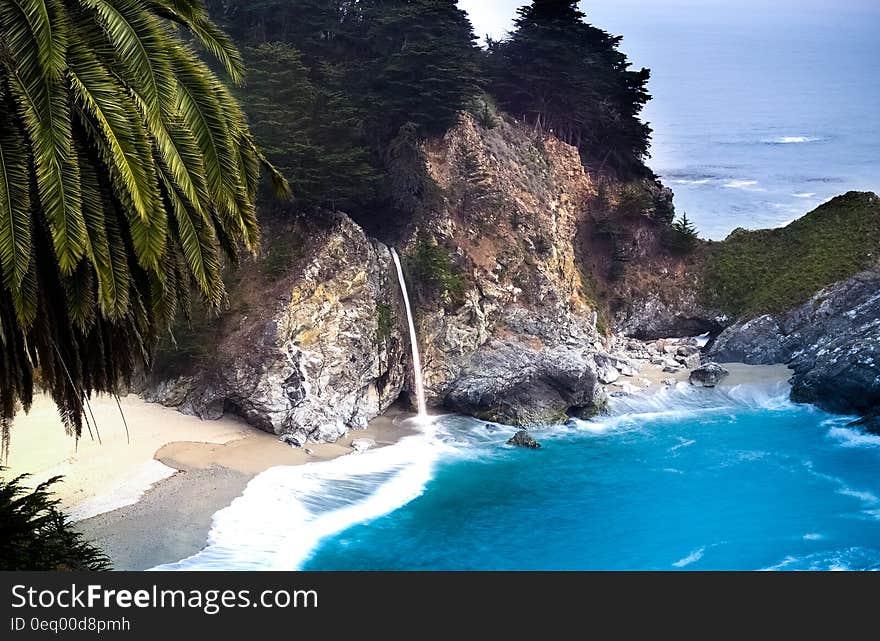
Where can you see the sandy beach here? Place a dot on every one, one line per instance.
(148, 497)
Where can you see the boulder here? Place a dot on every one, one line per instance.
(709, 375)
(362, 444)
(293, 440)
(524, 439)
(509, 382)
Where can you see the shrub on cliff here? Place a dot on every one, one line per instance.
(37, 536)
(681, 236)
(773, 270)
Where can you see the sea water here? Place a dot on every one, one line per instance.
(761, 110)
(684, 479)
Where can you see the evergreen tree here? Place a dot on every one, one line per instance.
(568, 77)
(682, 236)
(311, 133)
(417, 63)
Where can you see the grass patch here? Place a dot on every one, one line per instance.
(436, 271)
(774, 270)
(384, 322)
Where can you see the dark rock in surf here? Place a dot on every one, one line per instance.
(524, 439)
(709, 375)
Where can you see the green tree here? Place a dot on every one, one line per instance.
(568, 77)
(126, 172)
(310, 131)
(682, 236)
(37, 536)
(417, 62)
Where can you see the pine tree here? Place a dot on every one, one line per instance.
(418, 63)
(682, 236)
(309, 131)
(567, 77)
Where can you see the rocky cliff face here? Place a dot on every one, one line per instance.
(832, 342)
(311, 351)
(517, 344)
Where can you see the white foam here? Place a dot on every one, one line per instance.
(745, 185)
(693, 557)
(805, 195)
(128, 492)
(853, 438)
(286, 511)
(791, 140)
(688, 181)
(813, 536)
(865, 497)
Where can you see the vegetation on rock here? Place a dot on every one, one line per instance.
(774, 270)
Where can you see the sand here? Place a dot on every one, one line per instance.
(652, 376)
(148, 498)
(114, 472)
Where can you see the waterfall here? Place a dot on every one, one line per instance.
(413, 341)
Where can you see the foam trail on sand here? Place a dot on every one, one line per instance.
(286, 511)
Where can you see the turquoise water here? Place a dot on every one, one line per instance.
(695, 479)
(725, 483)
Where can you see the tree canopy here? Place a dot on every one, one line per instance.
(568, 77)
(126, 172)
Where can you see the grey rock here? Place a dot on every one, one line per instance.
(524, 439)
(306, 359)
(691, 361)
(293, 440)
(709, 375)
(511, 383)
(362, 444)
(832, 342)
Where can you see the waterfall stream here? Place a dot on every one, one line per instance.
(414, 342)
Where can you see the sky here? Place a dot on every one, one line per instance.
(494, 17)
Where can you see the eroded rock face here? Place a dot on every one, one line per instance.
(509, 382)
(832, 343)
(518, 347)
(308, 358)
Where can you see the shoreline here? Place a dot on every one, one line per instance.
(172, 519)
(152, 502)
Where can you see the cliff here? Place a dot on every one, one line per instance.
(527, 275)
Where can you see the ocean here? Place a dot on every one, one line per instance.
(761, 110)
(684, 479)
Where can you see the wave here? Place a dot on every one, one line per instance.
(842, 560)
(849, 437)
(744, 185)
(692, 181)
(791, 140)
(691, 558)
(286, 511)
(805, 195)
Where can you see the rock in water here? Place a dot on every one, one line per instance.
(832, 342)
(709, 375)
(362, 444)
(524, 439)
(869, 423)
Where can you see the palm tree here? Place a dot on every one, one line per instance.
(127, 176)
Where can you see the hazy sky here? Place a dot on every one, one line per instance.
(494, 17)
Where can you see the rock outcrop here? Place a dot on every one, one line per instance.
(708, 375)
(312, 353)
(832, 342)
(524, 439)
